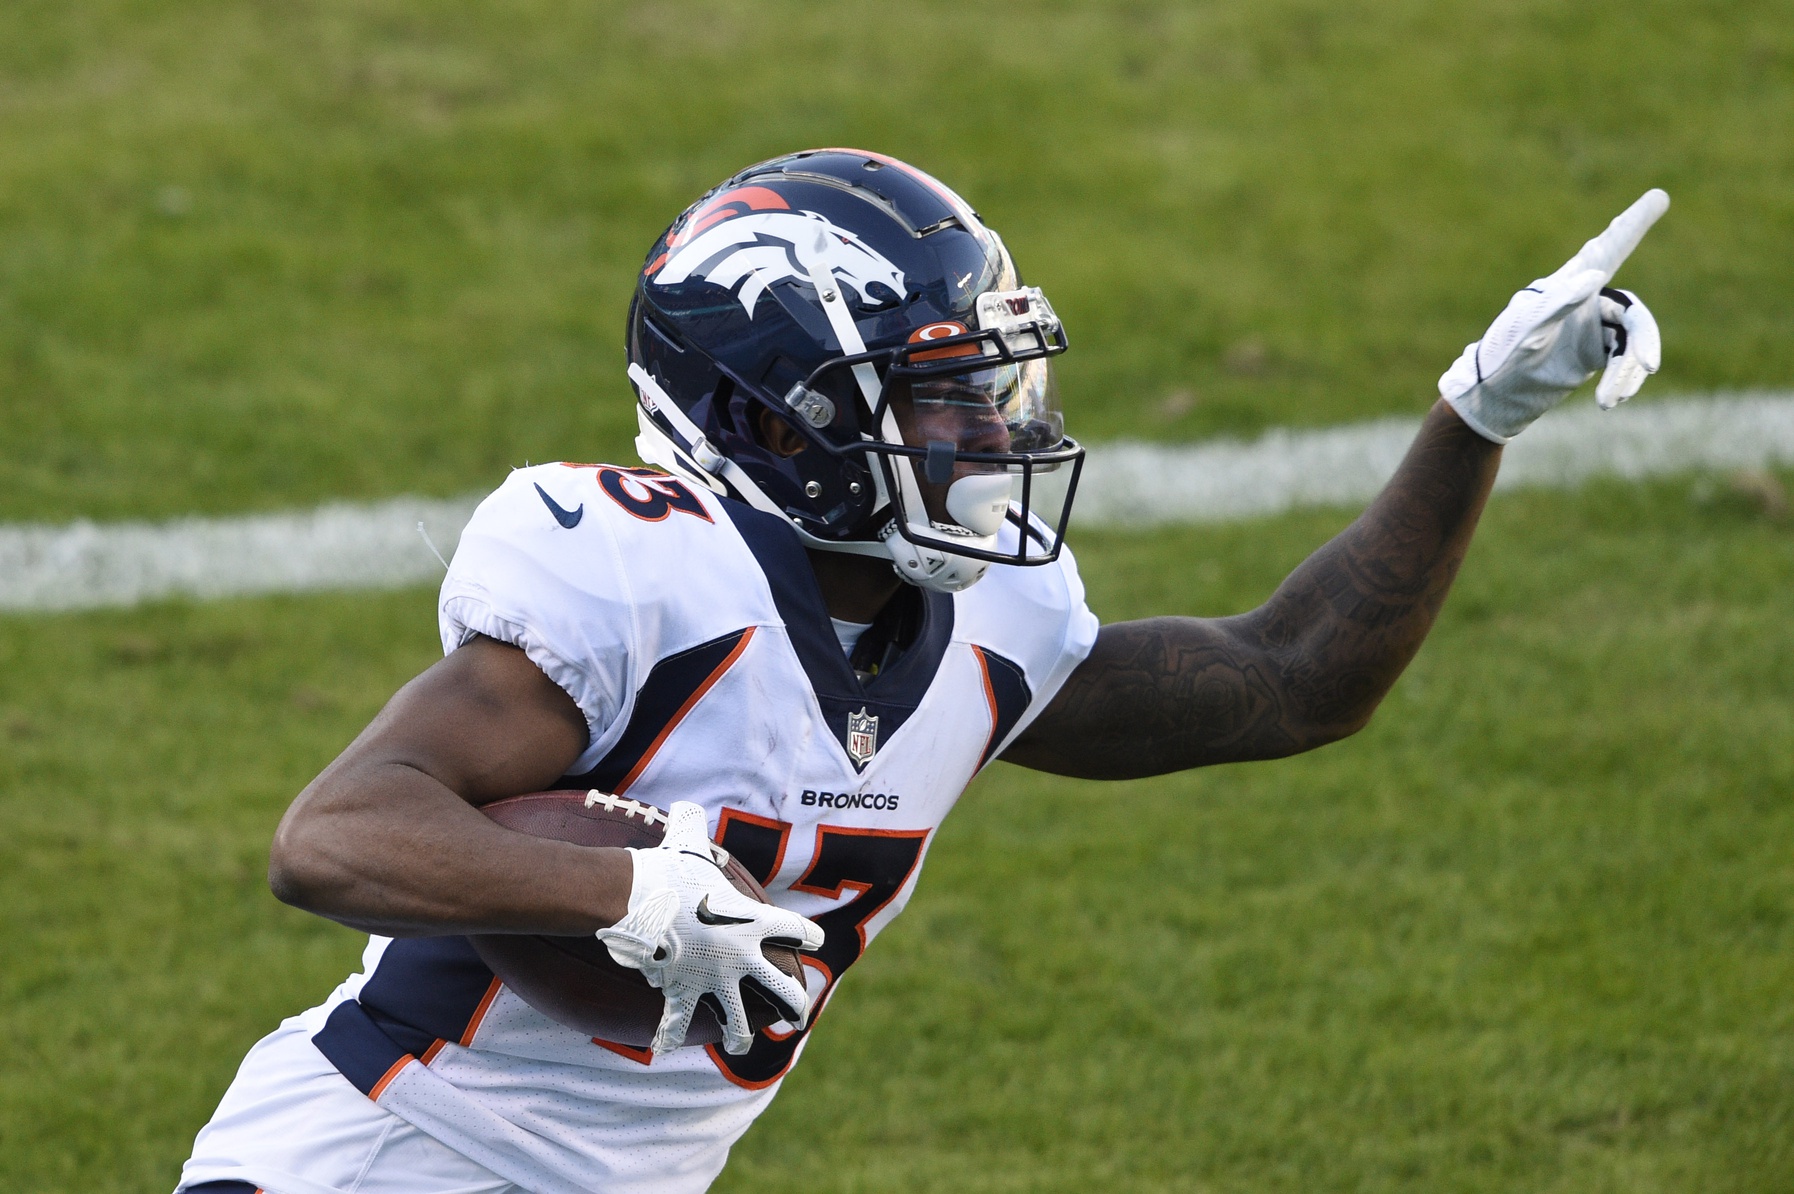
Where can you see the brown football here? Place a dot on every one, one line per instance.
(573, 980)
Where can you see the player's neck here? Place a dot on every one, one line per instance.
(855, 588)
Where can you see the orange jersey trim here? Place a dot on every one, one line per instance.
(691, 701)
(388, 1076)
(479, 1013)
(639, 1056)
(990, 698)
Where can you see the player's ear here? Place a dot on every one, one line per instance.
(776, 434)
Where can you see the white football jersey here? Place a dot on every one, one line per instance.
(692, 634)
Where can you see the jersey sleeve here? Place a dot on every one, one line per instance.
(1079, 637)
(1037, 620)
(559, 594)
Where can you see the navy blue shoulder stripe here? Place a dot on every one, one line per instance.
(780, 554)
(425, 989)
(354, 1044)
(1006, 688)
(673, 686)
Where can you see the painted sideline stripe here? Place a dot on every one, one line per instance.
(342, 546)
(338, 546)
(1132, 484)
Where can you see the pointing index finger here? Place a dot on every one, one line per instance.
(1608, 251)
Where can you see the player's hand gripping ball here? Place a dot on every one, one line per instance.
(696, 937)
(730, 958)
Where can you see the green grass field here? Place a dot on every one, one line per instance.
(1531, 931)
(256, 254)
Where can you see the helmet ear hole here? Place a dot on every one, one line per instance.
(775, 434)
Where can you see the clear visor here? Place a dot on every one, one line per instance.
(976, 430)
(1001, 408)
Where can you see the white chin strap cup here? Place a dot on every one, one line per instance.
(928, 568)
(979, 503)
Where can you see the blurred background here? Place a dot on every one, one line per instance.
(1530, 931)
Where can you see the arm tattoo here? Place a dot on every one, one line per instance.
(1306, 668)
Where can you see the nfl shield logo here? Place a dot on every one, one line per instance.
(862, 737)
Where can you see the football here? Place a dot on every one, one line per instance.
(573, 980)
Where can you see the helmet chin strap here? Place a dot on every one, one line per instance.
(930, 567)
(815, 262)
(697, 460)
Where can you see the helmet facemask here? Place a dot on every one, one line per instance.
(965, 435)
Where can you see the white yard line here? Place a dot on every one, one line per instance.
(339, 546)
(1221, 481)
(374, 546)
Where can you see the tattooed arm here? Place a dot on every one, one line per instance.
(1306, 668)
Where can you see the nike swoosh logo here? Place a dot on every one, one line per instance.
(567, 518)
(707, 917)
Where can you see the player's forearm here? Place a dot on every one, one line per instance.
(386, 849)
(390, 839)
(1346, 623)
(1306, 668)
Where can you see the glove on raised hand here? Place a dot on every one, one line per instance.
(692, 934)
(1557, 333)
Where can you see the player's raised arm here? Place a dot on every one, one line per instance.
(1306, 668)
(389, 839)
(1312, 664)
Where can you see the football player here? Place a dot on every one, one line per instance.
(841, 590)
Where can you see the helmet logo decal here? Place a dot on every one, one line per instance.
(940, 331)
(737, 202)
(758, 248)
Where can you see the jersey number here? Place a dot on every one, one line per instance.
(873, 864)
(648, 494)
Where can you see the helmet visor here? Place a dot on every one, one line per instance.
(1010, 407)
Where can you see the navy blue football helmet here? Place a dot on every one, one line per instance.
(868, 308)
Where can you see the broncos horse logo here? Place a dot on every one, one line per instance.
(757, 248)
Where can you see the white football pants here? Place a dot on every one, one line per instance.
(290, 1124)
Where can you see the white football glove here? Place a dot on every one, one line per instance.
(692, 934)
(1555, 334)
